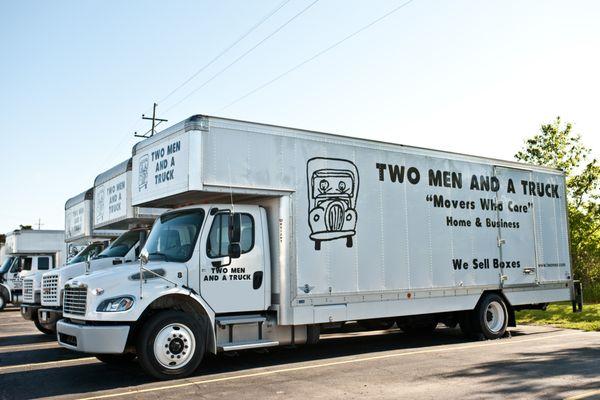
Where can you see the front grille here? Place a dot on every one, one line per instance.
(28, 296)
(50, 290)
(74, 301)
(335, 217)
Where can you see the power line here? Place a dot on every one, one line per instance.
(214, 59)
(320, 53)
(195, 74)
(242, 56)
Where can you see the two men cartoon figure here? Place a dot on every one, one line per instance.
(332, 192)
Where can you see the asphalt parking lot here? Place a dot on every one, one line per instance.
(536, 362)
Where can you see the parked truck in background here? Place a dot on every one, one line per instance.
(277, 232)
(78, 234)
(28, 253)
(111, 211)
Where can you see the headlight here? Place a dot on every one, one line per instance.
(122, 303)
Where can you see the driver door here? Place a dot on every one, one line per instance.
(226, 284)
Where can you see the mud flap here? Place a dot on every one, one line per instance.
(577, 297)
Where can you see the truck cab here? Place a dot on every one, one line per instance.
(190, 262)
(32, 267)
(95, 257)
(11, 284)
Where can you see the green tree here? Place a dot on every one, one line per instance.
(557, 146)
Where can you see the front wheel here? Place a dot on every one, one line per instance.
(171, 344)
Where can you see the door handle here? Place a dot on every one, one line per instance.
(528, 270)
(257, 279)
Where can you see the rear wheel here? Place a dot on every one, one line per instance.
(490, 318)
(2, 302)
(493, 317)
(171, 344)
(46, 329)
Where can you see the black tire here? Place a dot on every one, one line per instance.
(167, 324)
(376, 324)
(46, 329)
(490, 317)
(2, 302)
(116, 359)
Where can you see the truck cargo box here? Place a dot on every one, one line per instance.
(30, 241)
(112, 201)
(366, 228)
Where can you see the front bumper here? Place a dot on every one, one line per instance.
(98, 339)
(29, 311)
(49, 315)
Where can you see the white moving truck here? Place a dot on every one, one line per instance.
(28, 253)
(78, 236)
(112, 212)
(280, 231)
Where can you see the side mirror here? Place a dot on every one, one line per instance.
(234, 250)
(235, 229)
(144, 256)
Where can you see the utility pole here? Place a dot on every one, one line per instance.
(39, 224)
(155, 123)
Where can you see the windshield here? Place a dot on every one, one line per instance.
(121, 246)
(91, 250)
(174, 235)
(6, 265)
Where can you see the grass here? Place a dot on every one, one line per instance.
(561, 315)
(591, 293)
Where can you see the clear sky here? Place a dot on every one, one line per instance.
(468, 76)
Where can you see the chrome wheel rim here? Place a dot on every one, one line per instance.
(494, 317)
(174, 346)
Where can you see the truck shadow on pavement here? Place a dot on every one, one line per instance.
(69, 379)
(528, 374)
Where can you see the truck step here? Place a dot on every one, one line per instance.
(249, 344)
(240, 319)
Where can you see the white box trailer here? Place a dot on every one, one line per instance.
(27, 252)
(110, 213)
(113, 200)
(284, 230)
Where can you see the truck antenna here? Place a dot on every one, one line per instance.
(155, 123)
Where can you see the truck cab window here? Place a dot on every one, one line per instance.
(121, 246)
(174, 234)
(26, 263)
(218, 237)
(6, 264)
(92, 250)
(43, 263)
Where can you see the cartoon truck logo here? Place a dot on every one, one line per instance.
(143, 173)
(332, 193)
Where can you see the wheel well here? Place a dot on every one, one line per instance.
(177, 302)
(512, 320)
